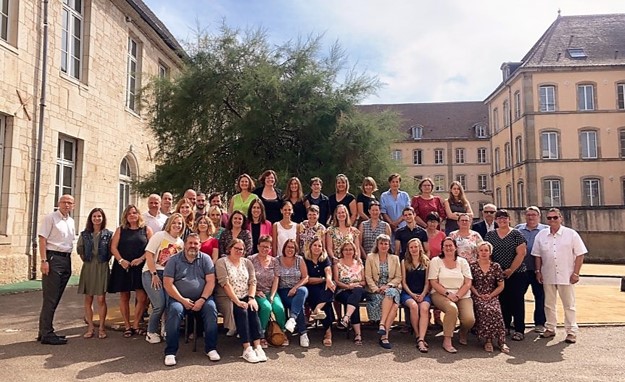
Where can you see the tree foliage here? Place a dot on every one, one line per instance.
(241, 105)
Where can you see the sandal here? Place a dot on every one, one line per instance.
(140, 332)
(451, 349)
(102, 334)
(488, 347)
(89, 333)
(504, 348)
(327, 340)
(381, 330)
(344, 323)
(357, 340)
(422, 346)
(518, 336)
(129, 333)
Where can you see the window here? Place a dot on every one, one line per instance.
(438, 156)
(417, 157)
(549, 145)
(520, 193)
(463, 180)
(480, 131)
(506, 113)
(163, 70)
(4, 20)
(585, 97)
(622, 139)
(552, 193)
(481, 155)
(482, 182)
(125, 179)
(71, 38)
(592, 192)
(517, 105)
(496, 119)
(620, 96)
(416, 132)
(588, 144)
(518, 146)
(459, 156)
(496, 155)
(509, 198)
(507, 155)
(65, 167)
(547, 98)
(576, 53)
(2, 146)
(498, 196)
(439, 182)
(133, 81)
(396, 155)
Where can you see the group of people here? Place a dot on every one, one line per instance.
(292, 257)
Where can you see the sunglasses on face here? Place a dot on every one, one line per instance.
(552, 217)
(488, 212)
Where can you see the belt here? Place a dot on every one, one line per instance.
(57, 253)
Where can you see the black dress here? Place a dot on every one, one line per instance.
(131, 246)
(273, 207)
(347, 199)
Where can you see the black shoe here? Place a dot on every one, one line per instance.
(54, 341)
(52, 335)
(385, 344)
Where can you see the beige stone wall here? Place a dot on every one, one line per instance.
(91, 110)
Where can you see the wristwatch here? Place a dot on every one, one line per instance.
(44, 260)
(446, 293)
(154, 273)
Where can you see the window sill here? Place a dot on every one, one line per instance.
(133, 113)
(74, 81)
(8, 46)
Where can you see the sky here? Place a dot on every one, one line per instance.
(421, 51)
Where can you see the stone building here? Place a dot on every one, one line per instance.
(100, 53)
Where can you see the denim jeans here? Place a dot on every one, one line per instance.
(175, 314)
(539, 297)
(157, 297)
(295, 304)
(248, 323)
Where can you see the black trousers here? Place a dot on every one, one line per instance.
(53, 285)
(512, 301)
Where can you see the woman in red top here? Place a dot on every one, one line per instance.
(209, 245)
(425, 202)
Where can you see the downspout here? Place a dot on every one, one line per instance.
(512, 164)
(37, 179)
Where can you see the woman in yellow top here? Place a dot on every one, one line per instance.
(241, 201)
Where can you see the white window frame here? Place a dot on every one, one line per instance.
(72, 38)
(589, 146)
(439, 183)
(552, 193)
(125, 188)
(547, 98)
(509, 198)
(462, 178)
(496, 160)
(507, 155)
(460, 156)
(518, 146)
(63, 163)
(480, 131)
(517, 105)
(133, 78)
(416, 132)
(482, 155)
(482, 182)
(620, 96)
(417, 157)
(549, 145)
(506, 113)
(5, 23)
(439, 156)
(396, 155)
(163, 70)
(592, 192)
(585, 97)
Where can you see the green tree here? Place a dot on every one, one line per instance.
(241, 105)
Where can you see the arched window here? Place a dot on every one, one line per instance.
(127, 174)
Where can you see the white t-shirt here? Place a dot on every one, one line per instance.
(450, 279)
(558, 253)
(155, 222)
(162, 246)
(59, 232)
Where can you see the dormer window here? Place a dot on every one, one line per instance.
(480, 131)
(577, 53)
(416, 132)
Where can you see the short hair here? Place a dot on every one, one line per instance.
(502, 213)
(287, 243)
(489, 205)
(232, 243)
(265, 174)
(442, 255)
(409, 208)
(374, 203)
(485, 243)
(393, 176)
(249, 178)
(556, 210)
(213, 195)
(433, 216)
(192, 235)
(236, 212)
(124, 219)
(170, 221)
(265, 239)
(425, 180)
(263, 216)
(345, 244)
(200, 194)
(313, 208)
(89, 225)
(369, 181)
(154, 196)
(533, 208)
(316, 179)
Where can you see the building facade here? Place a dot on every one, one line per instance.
(100, 54)
(445, 142)
(558, 118)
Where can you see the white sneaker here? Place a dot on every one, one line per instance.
(260, 354)
(170, 360)
(250, 355)
(163, 333)
(213, 355)
(153, 338)
(290, 325)
(303, 340)
(231, 332)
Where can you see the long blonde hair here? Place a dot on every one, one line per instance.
(422, 258)
(308, 250)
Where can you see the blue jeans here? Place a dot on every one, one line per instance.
(539, 298)
(158, 299)
(175, 314)
(295, 304)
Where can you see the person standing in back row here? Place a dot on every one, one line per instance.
(56, 240)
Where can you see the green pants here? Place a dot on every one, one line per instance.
(265, 308)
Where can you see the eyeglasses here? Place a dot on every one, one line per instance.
(264, 247)
(238, 249)
(489, 212)
(553, 217)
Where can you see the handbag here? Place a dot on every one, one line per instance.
(275, 335)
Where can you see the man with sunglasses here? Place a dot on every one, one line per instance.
(559, 253)
(489, 223)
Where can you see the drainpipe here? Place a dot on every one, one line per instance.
(511, 135)
(37, 179)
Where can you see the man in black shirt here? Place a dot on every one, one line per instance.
(409, 231)
(315, 197)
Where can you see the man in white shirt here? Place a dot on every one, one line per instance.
(154, 218)
(559, 253)
(166, 203)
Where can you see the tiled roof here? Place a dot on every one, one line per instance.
(602, 38)
(146, 14)
(443, 120)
